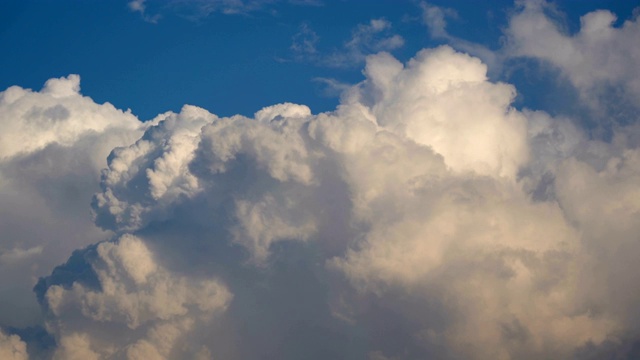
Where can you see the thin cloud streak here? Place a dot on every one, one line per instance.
(366, 39)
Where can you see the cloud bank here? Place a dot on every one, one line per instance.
(425, 217)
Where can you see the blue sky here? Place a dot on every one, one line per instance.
(316, 179)
(227, 63)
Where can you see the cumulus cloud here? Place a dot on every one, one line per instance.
(147, 308)
(17, 254)
(425, 201)
(12, 348)
(53, 146)
(432, 102)
(425, 217)
(159, 162)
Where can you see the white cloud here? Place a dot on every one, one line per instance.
(600, 60)
(438, 175)
(53, 145)
(57, 115)
(148, 307)
(146, 180)
(425, 217)
(304, 42)
(442, 99)
(159, 162)
(332, 87)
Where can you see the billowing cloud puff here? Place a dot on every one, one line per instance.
(442, 99)
(53, 145)
(144, 308)
(58, 114)
(12, 348)
(158, 163)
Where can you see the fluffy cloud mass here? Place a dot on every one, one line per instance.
(53, 146)
(425, 217)
(12, 348)
(147, 307)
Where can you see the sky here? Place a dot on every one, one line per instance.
(286, 179)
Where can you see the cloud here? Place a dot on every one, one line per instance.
(12, 348)
(599, 60)
(140, 6)
(425, 217)
(58, 114)
(197, 10)
(148, 308)
(304, 42)
(435, 18)
(53, 146)
(365, 39)
(332, 87)
(174, 161)
(158, 161)
(432, 102)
